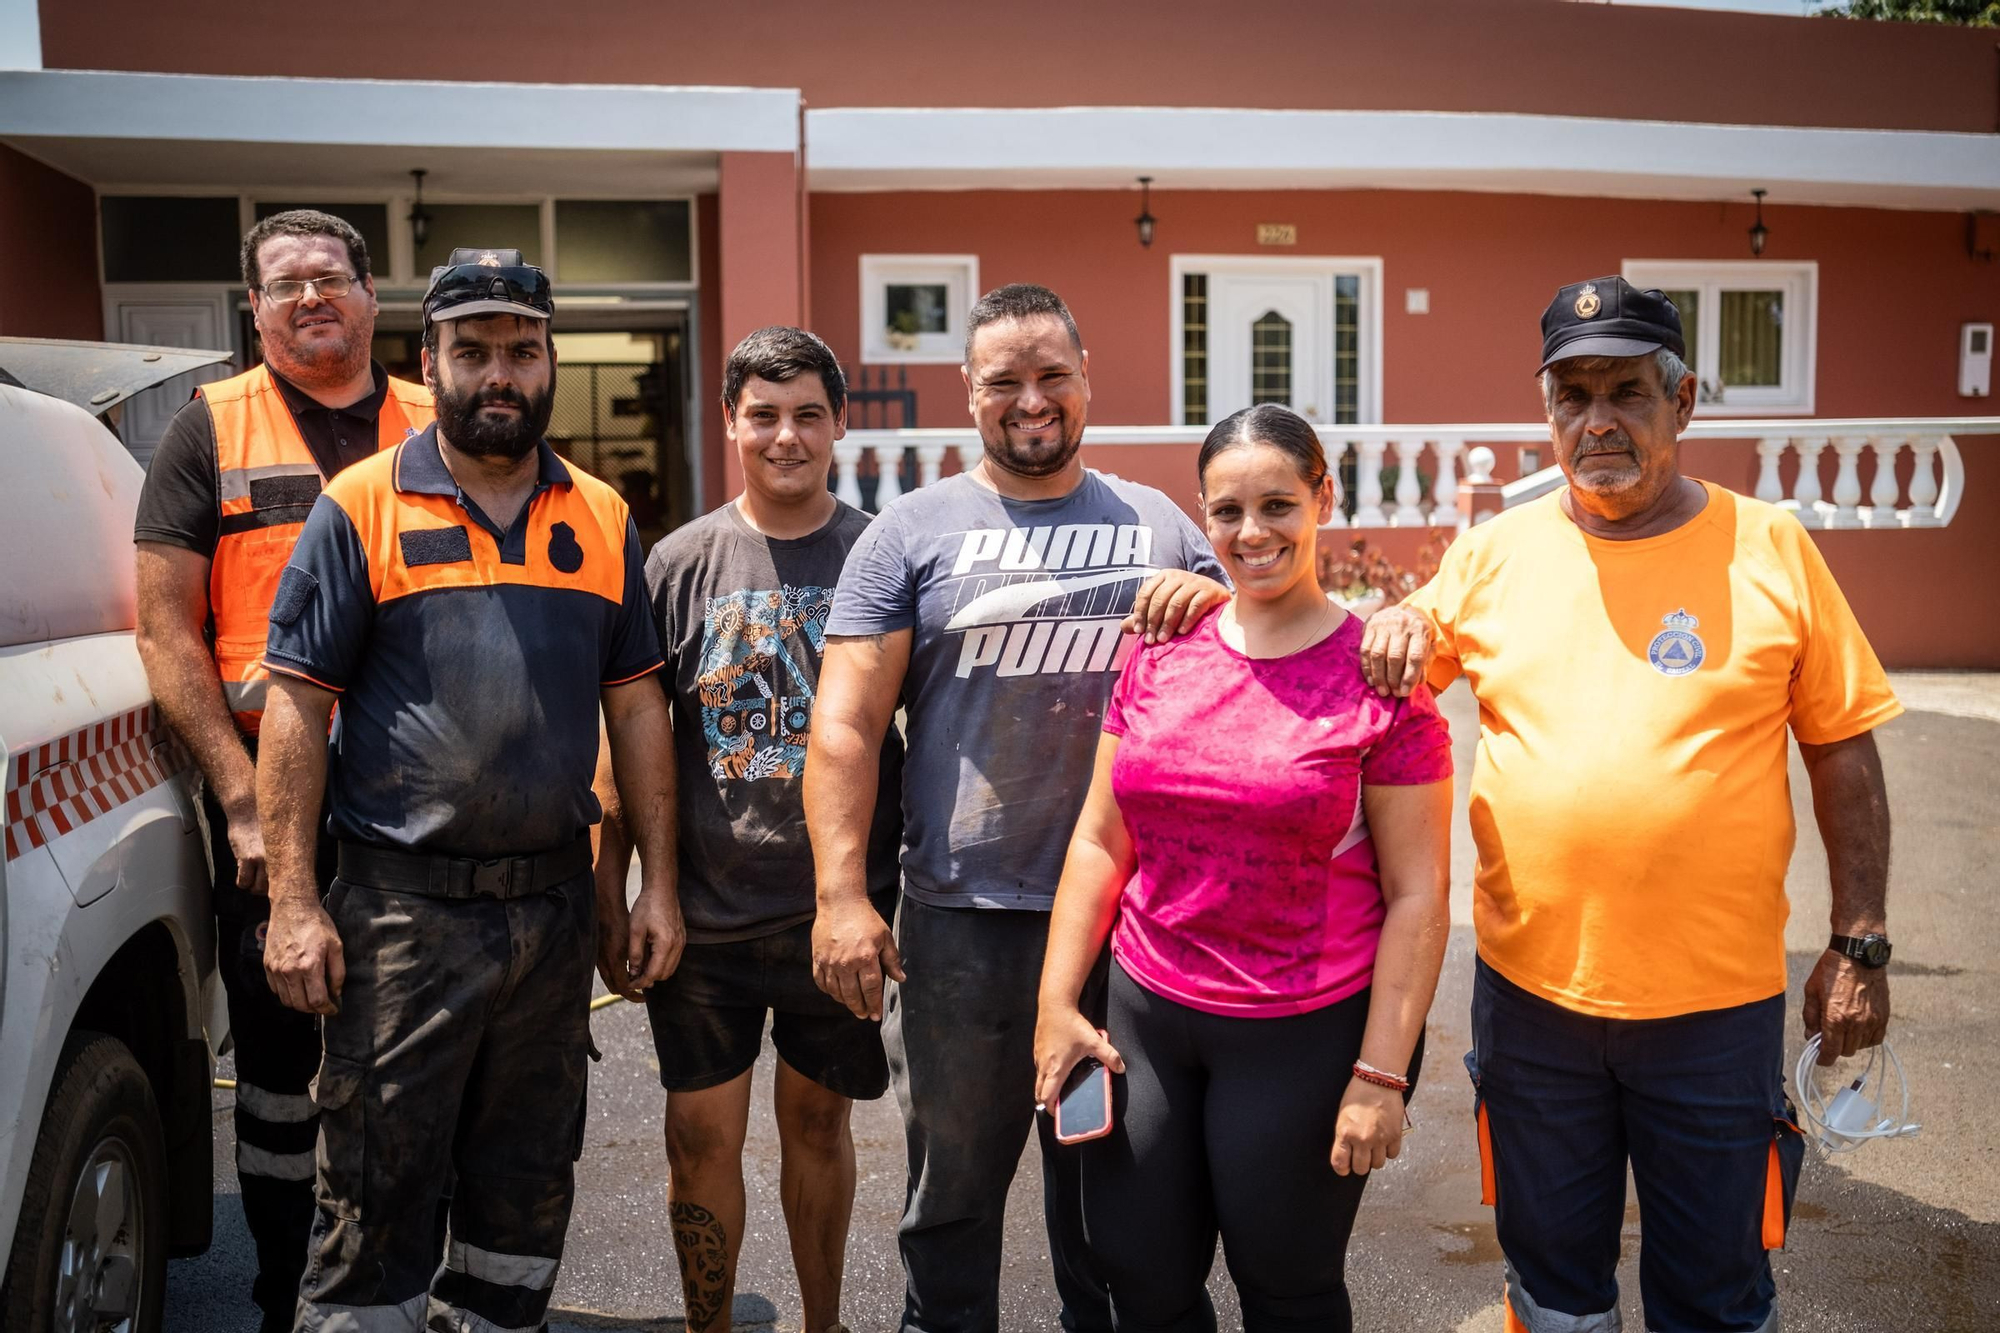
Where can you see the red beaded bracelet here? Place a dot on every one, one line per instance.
(1381, 1078)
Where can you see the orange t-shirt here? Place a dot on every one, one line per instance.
(1629, 801)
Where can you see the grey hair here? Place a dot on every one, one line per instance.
(1672, 371)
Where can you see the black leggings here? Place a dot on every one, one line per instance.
(1224, 1125)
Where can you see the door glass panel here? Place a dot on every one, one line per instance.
(1346, 349)
(1688, 302)
(1753, 333)
(149, 238)
(612, 240)
(1194, 349)
(1271, 359)
(480, 226)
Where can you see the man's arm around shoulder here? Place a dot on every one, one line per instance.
(860, 679)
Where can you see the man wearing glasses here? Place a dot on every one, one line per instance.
(471, 601)
(225, 498)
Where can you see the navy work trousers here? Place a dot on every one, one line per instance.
(1695, 1102)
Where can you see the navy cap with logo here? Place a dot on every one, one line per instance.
(1609, 317)
(487, 282)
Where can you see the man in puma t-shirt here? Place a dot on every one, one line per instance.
(990, 606)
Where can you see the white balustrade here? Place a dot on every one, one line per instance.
(930, 463)
(1444, 491)
(1804, 499)
(847, 471)
(1368, 483)
(1935, 491)
(1882, 492)
(1847, 482)
(1924, 510)
(888, 474)
(1408, 489)
(1770, 489)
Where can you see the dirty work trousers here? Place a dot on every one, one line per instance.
(461, 1042)
(961, 1040)
(1696, 1102)
(277, 1053)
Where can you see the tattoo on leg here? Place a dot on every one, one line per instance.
(703, 1249)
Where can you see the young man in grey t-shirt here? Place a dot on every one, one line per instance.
(990, 605)
(740, 597)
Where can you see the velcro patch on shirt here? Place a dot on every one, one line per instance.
(279, 492)
(296, 590)
(435, 546)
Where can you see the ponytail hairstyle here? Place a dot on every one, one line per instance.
(1279, 427)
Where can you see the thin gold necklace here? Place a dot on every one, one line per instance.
(1311, 632)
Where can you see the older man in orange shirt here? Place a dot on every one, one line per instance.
(1639, 642)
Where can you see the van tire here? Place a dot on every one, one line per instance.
(100, 1161)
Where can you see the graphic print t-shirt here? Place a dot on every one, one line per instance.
(742, 621)
(1015, 606)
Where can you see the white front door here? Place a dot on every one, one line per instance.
(1271, 341)
(191, 323)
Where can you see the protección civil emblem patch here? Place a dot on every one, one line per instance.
(1677, 649)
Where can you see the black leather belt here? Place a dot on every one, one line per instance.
(461, 877)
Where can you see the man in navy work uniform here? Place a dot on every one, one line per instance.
(991, 605)
(470, 601)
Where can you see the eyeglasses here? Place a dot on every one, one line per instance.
(464, 283)
(331, 287)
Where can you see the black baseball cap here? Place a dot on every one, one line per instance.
(1609, 317)
(487, 282)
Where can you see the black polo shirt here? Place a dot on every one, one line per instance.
(468, 659)
(181, 502)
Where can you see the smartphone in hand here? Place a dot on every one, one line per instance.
(1083, 1111)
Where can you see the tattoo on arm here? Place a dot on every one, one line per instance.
(703, 1250)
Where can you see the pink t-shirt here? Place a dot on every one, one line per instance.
(1256, 892)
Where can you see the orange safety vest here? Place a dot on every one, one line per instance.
(267, 481)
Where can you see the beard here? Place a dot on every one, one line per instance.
(318, 365)
(1034, 460)
(513, 437)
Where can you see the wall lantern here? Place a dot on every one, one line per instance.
(420, 217)
(1145, 220)
(1759, 233)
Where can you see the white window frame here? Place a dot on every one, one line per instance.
(958, 274)
(1368, 401)
(1793, 395)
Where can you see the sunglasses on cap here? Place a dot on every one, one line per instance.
(521, 286)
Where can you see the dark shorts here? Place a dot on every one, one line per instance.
(708, 1018)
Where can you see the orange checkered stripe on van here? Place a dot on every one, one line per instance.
(65, 783)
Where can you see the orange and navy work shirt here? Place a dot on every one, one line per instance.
(1630, 801)
(468, 658)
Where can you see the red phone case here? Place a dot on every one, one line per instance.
(1087, 1135)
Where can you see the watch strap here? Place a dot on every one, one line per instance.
(1856, 948)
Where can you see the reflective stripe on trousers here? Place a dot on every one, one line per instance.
(405, 1318)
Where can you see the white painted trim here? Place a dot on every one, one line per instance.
(1472, 432)
(400, 113)
(20, 34)
(1367, 267)
(865, 148)
(1799, 279)
(959, 273)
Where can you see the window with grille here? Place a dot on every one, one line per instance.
(1194, 349)
(1271, 359)
(1750, 330)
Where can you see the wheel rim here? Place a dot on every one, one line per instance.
(97, 1276)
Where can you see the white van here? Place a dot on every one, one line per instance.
(108, 991)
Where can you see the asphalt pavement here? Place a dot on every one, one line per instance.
(1900, 1236)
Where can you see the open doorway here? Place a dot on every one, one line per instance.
(621, 411)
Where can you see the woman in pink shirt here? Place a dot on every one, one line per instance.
(1266, 843)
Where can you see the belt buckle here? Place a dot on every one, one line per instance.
(493, 879)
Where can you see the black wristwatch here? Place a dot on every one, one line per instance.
(1870, 950)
